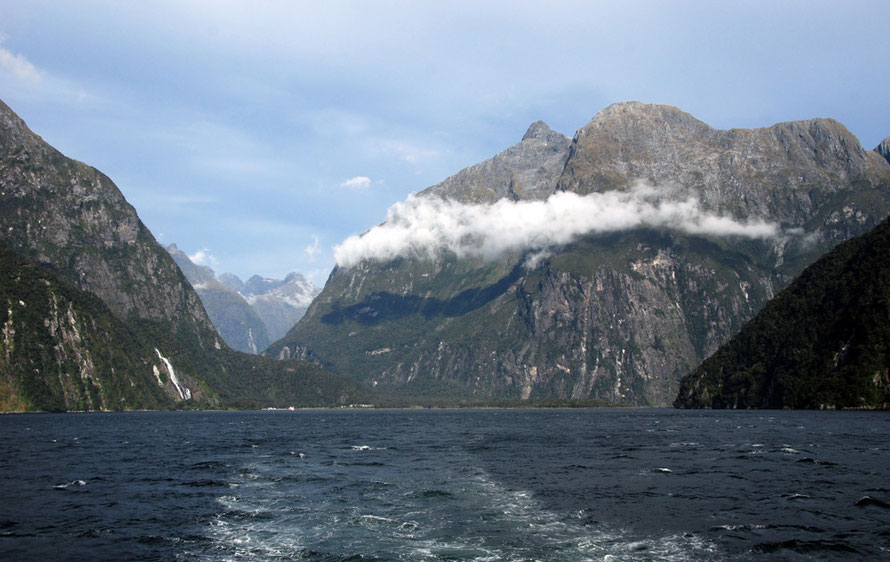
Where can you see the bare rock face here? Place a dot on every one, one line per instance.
(234, 320)
(618, 317)
(248, 316)
(527, 170)
(281, 304)
(783, 172)
(883, 149)
(823, 342)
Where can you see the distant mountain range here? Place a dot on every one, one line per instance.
(96, 314)
(620, 313)
(249, 316)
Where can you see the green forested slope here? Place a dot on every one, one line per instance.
(824, 342)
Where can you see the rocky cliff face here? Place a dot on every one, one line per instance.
(280, 303)
(618, 316)
(248, 316)
(883, 149)
(528, 170)
(72, 218)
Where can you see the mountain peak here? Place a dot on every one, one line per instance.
(631, 113)
(884, 149)
(293, 276)
(538, 130)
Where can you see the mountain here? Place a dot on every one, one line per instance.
(617, 315)
(279, 303)
(232, 316)
(248, 315)
(71, 217)
(71, 220)
(823, 342)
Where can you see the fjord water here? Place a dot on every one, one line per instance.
(446, 485)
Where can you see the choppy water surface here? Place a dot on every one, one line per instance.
(445, 485)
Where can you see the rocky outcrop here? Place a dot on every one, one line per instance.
(883, 149)
(785, 173)
(618, 317)
(528, 170)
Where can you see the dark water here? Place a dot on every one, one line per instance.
(446, 485)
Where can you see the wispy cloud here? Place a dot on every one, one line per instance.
(407, 151)
(312, 249)
(204, 257)
(17, 65)
(426, 226)
(358, 182)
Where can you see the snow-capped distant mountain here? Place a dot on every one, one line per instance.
(279, 303)
(249, 316)
(235, 320)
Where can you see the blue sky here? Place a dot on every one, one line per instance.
(261, 134)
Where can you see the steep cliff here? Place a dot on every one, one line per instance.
(280, 303)
(72, 218)
(883, 149)
(823, 342)
(619, 315)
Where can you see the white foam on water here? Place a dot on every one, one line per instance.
(74, 483)
(250, 529)
(564, 539)
(479, 519)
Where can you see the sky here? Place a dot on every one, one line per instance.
(258, 136)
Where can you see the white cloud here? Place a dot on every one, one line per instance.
(17, 65)
(204, 257)
(312, 250)
(406, 151)
(358, 182)
(426, 226)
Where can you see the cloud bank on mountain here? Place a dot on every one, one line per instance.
(424, 227)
